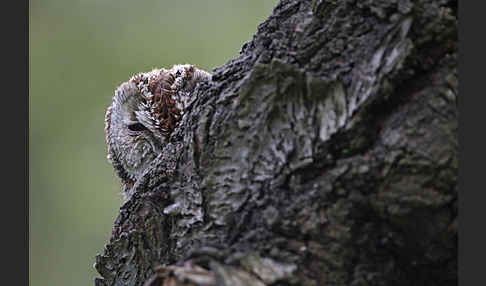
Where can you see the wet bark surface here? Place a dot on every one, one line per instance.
(326, 153)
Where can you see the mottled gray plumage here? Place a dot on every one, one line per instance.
(144, 112)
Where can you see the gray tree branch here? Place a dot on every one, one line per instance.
(326, 153)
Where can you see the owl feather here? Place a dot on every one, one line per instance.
(144, 112)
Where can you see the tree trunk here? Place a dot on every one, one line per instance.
(325, 154)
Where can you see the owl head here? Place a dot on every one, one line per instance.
(144, 112)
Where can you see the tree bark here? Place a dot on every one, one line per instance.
(326, 153)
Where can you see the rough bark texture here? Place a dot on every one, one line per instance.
(325, 154)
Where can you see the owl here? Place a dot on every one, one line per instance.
(144, 112)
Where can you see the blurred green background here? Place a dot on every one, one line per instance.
(79, 52)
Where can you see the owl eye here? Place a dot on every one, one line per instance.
(137, 127)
